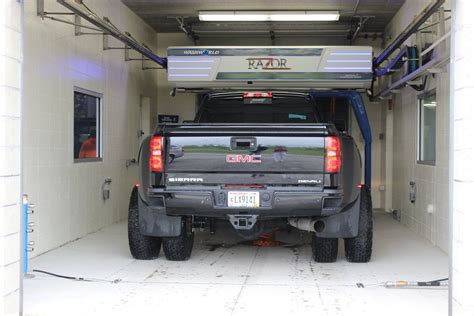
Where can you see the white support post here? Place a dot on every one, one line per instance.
(461, 158)
(10, 155)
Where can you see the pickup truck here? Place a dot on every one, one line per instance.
(258, 160)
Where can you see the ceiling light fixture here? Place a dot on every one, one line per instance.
(293, 16)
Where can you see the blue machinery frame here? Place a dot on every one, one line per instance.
(362, 120)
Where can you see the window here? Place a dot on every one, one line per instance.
(427, 128)
(335, 110)
(87, 125)
(279, 110)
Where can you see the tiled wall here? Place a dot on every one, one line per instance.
(10, 129)
(431, 181)
(68, 195)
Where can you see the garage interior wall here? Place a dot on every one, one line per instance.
(431, 180)
(10, 157)
(68, 195)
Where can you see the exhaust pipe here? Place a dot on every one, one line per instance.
(308, 224)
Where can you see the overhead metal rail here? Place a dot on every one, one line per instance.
(103, 26)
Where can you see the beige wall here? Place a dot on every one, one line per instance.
(68, 195)
(431, 181)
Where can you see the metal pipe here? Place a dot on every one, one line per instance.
(25, 233)
(362, 21)
(71, 23)
(411, 29)
(436, 43)
(78, 9)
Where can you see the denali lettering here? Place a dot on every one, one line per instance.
(243, 159)
(268, 63)
(185, 179)
(310, 181)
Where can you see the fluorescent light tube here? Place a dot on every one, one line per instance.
(294, 16)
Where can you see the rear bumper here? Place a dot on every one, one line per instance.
(162, 215)
(273, 202)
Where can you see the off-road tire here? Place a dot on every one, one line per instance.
(359, 249)
(179, 248)
(324, 249)
(141, 247)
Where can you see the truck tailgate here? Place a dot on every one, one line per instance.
(245, 154)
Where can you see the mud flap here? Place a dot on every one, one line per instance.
(344, 224)
(153, 221)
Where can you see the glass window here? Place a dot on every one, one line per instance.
(427, 129)
(258, 110)
(87, 125)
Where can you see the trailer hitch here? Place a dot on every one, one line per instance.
(243, 222)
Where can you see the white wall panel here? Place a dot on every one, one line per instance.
(68, 195)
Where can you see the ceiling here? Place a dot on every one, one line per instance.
(168, 15)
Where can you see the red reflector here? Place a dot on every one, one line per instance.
(258, 94)
(156, 154)
(359, 186)
(333, 154)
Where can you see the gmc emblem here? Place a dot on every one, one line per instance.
(243, 159)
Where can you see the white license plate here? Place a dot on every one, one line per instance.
(243, 199)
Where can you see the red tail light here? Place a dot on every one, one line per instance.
(258, 95)
(333, 154)
(156, 154)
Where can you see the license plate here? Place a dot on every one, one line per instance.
(243, 199)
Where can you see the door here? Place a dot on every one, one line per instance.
(144, 119)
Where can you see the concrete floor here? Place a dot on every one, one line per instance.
(238, 279)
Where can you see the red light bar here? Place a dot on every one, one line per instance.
(258, 95)
(156, 154)
(333, 154)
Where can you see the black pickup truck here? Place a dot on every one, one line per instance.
(258, 160)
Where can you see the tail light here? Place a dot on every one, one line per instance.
(333, 154)
(156, 154)
(258, 94)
